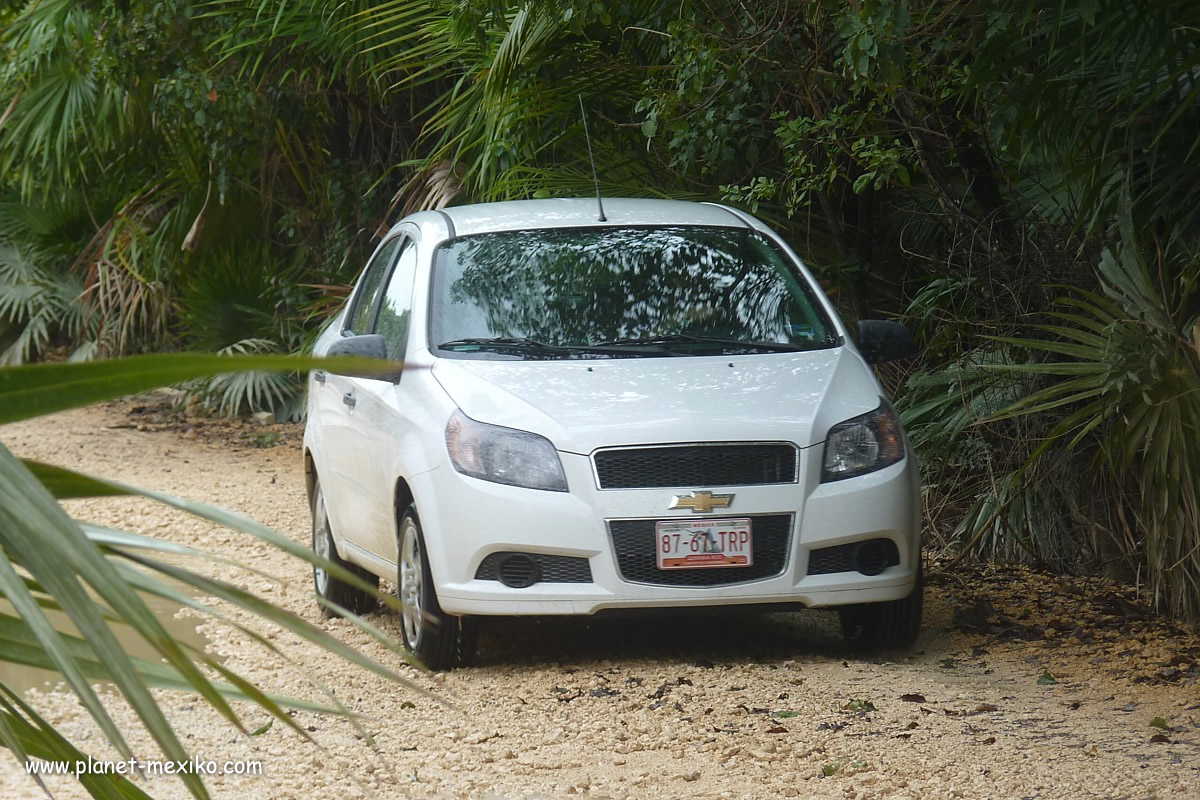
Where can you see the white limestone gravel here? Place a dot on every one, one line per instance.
(709, 706)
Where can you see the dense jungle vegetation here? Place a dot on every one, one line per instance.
(1015, 180)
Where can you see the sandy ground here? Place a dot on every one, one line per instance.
(748, 707)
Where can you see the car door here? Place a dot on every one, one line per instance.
(334, 402)
(379, 415)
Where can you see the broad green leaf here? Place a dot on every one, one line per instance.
(75, 485)
(20, 646)
(34, 737)
(35, 389)
(1047, 346)
(59, 563)
(112, 585)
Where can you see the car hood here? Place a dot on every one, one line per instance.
(582, 405)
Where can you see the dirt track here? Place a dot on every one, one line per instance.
(755, 707)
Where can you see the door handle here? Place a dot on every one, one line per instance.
(348, 399)
(319, 376)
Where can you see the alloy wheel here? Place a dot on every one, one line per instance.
(321, 542)
(411, 580)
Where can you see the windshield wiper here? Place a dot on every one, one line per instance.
(562, 350)
(682, 338)
(497, 341)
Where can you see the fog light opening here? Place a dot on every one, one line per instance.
(871, 557)
(519, 571)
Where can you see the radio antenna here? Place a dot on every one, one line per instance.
(592, 158)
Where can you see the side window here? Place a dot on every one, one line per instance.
(359, 320)
(397, 302)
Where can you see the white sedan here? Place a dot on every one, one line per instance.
(650, 407)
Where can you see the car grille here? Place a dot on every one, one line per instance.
(696, 465)
(525, 569)
(634, 545)
(842, 558)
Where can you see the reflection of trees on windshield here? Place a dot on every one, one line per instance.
(579, 286)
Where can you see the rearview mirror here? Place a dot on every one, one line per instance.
(881, 340)
(367, 345)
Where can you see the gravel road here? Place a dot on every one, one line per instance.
(746, 707)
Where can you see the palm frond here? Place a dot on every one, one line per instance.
(244, 392)
(39, 304)
(1129, 391)
(98, 579)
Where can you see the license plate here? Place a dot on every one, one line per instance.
(703, 544)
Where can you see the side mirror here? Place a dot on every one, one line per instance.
(881, 340)
(367, 345)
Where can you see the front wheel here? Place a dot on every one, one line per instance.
(327, 586)
(439, 640)
(891, 625)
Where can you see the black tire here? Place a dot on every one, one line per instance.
(327, 586)
(438, 640)
(892, 625)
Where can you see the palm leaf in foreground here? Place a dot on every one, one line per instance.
(50, 561)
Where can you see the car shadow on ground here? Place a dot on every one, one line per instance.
(721, 635)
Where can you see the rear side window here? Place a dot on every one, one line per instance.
(372, 284)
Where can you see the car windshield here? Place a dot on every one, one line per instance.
(621, 292)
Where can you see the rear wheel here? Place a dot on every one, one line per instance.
(885, 626)
(439, 640)
(328, 586)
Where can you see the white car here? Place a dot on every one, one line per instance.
(652, 405)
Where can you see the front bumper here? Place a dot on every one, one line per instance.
(465, 520)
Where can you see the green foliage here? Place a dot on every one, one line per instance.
(223, 186)
(873, 32)
(1109, 92)
(242, 293)
(243, 301)
(814, 151)
(1125, 366)
(245, 392)
(958, 164)
(99, 578)
(38, 306)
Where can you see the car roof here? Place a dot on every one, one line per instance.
(577, 212)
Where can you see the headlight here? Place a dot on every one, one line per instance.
(863, 444)
(503, 455)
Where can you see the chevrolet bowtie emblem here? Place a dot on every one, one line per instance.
(701, 502)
